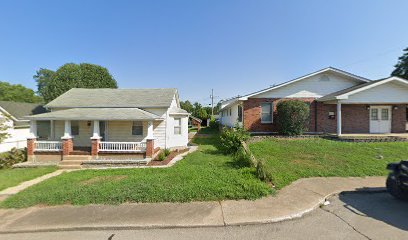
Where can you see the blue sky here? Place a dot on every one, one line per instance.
(235, 47)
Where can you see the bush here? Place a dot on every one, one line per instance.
(293, 117)
(261, 171)
(166, 152)
(12, 157)
(214, 124)
(231, 138)
(242, 158)
(161, 156)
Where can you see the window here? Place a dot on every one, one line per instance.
(266, 113)
(74, 128)
(137, 128)
(374, 114)
(239, 113)
(230, 112)
(384, 114)
(177, 126)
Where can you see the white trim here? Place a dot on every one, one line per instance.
(9, 115)
(346, 95)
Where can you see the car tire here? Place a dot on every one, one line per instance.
(394, 189)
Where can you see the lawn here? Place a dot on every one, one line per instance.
(289, 160)
(13, 177)
(202, 176)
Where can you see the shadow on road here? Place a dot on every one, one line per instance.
(380, 206)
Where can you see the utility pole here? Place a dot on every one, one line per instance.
(212, 102)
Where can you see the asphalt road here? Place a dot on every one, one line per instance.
(348, 216)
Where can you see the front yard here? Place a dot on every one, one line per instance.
(289, 160)
(13, 177)
(202, 176)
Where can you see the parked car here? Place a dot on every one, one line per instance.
(397, 181)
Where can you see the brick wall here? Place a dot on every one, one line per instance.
(252, 114)
(355, 117)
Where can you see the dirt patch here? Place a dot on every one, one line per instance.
(103, 179)
(168, 158)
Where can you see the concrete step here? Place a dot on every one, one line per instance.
(71, 162)
(77, 157)
(70, 166)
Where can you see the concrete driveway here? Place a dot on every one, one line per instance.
(348, 216)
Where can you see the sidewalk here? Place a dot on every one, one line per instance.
(291, 202)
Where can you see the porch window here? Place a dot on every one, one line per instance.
(137, 128)
(75, 128)
(384, 114)
(266, 113)
(177, 126)
(239, 113)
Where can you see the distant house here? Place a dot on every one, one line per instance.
(107, 123)
(196, 122)
(12, 114)
(340, 102)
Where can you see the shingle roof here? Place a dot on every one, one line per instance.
(178, 111)
(332, 96)
(106, 97)
(96, 114)
(19, 109)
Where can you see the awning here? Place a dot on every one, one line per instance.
(96, 114)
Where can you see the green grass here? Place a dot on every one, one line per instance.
(208, 130)
(289, 160)
(202, 176)
(13, 177)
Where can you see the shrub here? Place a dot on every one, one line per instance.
(242, 158)
(262, 172)
(161, 156)
(8, 159)
(293, 117)
(166, 152)
(214, 124)
(231, 138)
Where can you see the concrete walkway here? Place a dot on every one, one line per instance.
(13, 190)
(291, 202)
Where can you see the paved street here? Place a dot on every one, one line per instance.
(349, 216)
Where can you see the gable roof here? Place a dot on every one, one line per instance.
(114, 98)
(324, 70)
(96, 114)
(343, 94)
(17, 110)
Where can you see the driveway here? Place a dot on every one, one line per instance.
(348, 216)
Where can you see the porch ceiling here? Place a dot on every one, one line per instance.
(96, 114)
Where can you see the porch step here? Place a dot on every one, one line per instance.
(70, 166)
(78, 157)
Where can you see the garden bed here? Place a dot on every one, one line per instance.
(168, 159)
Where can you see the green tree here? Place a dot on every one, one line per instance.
(186, 105)
(85, 75)
(17, 93)
(401, 68)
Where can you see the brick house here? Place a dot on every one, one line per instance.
(107, 124)
(340, 102)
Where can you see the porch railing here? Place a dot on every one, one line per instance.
(122, 146)
(48, 146)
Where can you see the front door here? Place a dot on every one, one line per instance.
(380, 119)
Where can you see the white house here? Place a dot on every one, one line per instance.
(106, 123)
(11, 114)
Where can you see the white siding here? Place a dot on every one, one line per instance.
(391, 92)
(177, 140)
(159, 127)
(17, 136)
(230, 120)
(313, 87)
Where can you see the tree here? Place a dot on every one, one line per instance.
(3, 130)
(186, 105)
(17, 93)
(85, 75)
(293, 117)
(401, 68)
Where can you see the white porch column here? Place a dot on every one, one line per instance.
(96, 133)
(338, 118)
(149, 130)
(52, 130)
(33, 129)
(67, 130)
